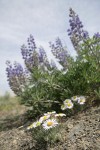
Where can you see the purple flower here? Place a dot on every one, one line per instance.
(97, 35)
(42, 55)
(31, 43)
(85, 34)
(30, 54)
(43, 60)
(17, 77)
(59, 52)
(76, 32)
(33, 58)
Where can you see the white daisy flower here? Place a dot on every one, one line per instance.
(50, 113)
(34, 125)
(44, 118)
(67, 101)
(69, 105)
(75, 98)
(60, 115)
(63, 107)
(50, 123)
(81, 100)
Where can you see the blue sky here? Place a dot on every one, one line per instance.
(46, 20)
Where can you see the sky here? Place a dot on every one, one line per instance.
(45, 20)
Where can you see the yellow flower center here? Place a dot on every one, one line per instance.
(45, 117)
(38, 124)
(66, 101)
(50, 123)
(82, 100)
(69, 104)
(74, 97)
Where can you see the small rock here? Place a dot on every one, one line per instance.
(70, 125)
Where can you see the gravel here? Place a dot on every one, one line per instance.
(79, 132)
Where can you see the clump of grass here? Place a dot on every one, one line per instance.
(10, 106)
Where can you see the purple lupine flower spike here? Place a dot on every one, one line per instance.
(42, 54)
(16, 76)
(30, 54)
(33, 58)
(43, 60)
(76, 32)
(59, 52)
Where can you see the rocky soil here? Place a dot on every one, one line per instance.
(79, 132)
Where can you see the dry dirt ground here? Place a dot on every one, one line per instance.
(80, 132)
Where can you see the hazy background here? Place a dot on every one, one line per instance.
(46, 20)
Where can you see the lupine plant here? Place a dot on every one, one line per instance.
(42, 86)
